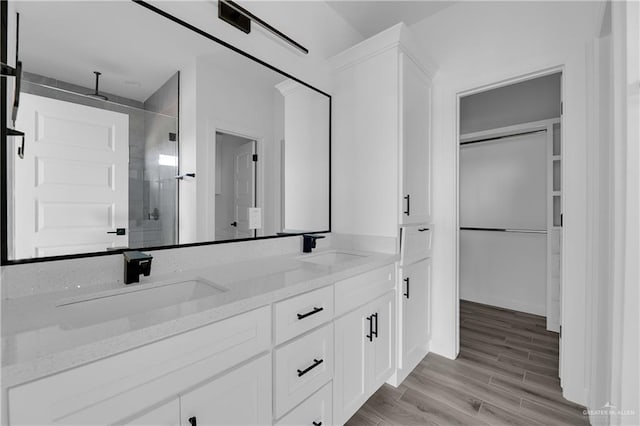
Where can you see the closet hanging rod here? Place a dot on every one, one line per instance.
(520, 231)
(502, 137)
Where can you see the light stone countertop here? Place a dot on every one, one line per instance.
(39, 340)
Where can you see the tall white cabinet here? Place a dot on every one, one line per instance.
(381, 147)
(381, 136)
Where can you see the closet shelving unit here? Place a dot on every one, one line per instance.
(554, 224)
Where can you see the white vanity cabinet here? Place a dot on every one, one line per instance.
(167, 414)
(241, 397)
(311, 359)
(415, 321)
(365, 354)
(127, 385)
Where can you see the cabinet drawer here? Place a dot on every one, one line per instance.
(358, 290)
(114, 388)
(302, 367)
(318, 409)
(302, 313)
(415, 243)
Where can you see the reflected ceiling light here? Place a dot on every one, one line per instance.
(239, 17)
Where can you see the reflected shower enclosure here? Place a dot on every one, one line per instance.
(151, 192)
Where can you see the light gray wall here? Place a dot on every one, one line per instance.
(524, 102)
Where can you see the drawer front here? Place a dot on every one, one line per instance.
(415, 243)
(302, 313)
(119, 386)
(302, 367)
(356, 291)
(318, 409)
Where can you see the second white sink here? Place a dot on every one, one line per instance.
(112, 304)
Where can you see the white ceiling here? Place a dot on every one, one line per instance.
(136, 50)
(370, 17)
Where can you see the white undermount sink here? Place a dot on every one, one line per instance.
(108, 305)
(331, 258)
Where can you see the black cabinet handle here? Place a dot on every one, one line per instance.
(234, 223)
(118, 231)
(406, 280)
(316, 362)
(317, 423)
(193, 421)
(370, 335)
(422, 229)
(375, 331)
(315, 311)
(408, 210)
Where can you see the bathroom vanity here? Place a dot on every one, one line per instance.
(305, 341)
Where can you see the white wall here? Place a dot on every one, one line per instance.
(478, 44)
(524, 102)
(503, 184)
(504, 269)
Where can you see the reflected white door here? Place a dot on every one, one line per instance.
(72, 187)
(244, 188)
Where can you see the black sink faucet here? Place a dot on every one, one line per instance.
(309, 242)
(136, 263)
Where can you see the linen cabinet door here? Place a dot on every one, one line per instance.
(415, 312)
(166, 415)
(351, 365)
(384, 348)
(415, 143)
(241, 397)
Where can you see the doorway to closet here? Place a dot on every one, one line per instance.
(510, 236)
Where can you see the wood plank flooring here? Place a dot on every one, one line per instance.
(506, 373)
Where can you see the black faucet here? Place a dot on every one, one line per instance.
(136, 263)
(309, 242)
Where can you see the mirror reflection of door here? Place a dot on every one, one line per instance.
(73, 181)
(235, 186)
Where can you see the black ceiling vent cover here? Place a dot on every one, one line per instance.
(233, 17)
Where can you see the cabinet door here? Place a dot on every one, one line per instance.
(415, 312)
(241, 397)
(166, 415)
(351, 349)
(415, 143)
(383, 351)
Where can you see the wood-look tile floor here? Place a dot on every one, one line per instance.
(506, 373)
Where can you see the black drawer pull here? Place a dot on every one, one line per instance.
(315, 311)
(317, 423)
(316, 362)
(375, 331)
(406, 280)
(370, 335)
(193, 421)
(408, 210)
(422, 229)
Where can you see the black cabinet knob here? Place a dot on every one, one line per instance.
(234, 223)
(193, 421)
